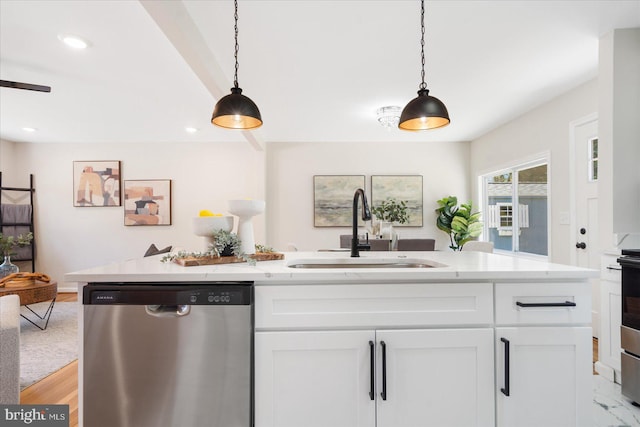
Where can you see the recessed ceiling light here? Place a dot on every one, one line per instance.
(73, 41)
(28, 129)
(191, 129)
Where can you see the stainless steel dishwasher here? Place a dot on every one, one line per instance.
(168, 354)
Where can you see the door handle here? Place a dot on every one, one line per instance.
(384, 370)
(167, 310)
(505, 390)
(581, 245)
(372, 372)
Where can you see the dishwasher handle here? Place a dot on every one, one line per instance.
(167, 310)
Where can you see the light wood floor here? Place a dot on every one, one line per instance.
(61, 387)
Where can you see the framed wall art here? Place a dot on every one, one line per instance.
(333, 199)
(147, 202)
(96, 183)
(400, 187)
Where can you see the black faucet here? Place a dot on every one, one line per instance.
(366, 216)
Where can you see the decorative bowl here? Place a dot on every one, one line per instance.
(205, 225)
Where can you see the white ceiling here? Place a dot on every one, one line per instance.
(318, 70)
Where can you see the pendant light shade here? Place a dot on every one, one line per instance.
(236, 111)
(423, 112)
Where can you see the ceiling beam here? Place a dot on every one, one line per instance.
(174, 21)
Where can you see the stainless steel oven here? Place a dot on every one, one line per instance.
(630, 329)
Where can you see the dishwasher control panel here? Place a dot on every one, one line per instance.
(162, 294)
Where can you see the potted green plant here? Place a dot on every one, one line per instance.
(392, 211)
(7, 246)
(459, 222)
(389, 212)
(226, 243)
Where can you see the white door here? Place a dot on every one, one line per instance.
(586, 250)
(435, 378)
(549, 377)
(314, 379)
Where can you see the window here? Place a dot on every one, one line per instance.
(593, 159)
(521, 229)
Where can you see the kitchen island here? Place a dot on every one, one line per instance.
(464, 338)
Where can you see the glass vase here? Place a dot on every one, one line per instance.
(7, 268)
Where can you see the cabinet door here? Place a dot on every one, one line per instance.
(547, 376)
(609, 347)
(314, 379)
(435, 378)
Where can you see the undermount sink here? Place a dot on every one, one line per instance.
(363, 263)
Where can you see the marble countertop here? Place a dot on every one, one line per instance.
(457, 266)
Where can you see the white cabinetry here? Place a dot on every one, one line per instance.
(543, 359)
(423, 354)
(440, 377)
(549, 376)
(384, 378)
(374, 355)
(313, 379)
(609, 348)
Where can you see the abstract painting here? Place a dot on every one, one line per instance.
(96, 183)
(147, 202)
(400, 187)
(333, 199)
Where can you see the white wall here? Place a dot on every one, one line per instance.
(544, 129)
(619, 126)
(291, 167)
(68, 238)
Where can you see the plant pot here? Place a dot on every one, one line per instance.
(227, 251)
(386, 230)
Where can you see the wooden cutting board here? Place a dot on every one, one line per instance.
(209, 260)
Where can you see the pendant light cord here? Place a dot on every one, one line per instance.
(237, 47)
(423, 85)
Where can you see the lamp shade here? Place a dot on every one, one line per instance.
(424, 112)
(236, 111)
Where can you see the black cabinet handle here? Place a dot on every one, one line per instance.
(546, 304)
(372, 362)
(384, 370)
(505, 390)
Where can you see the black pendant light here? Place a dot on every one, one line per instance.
(236, 111)
(423, 112)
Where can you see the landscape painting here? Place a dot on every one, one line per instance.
(96, 183)
(147, 202)
(333, 199)
(399, 187)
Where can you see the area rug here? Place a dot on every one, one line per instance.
(44, 352)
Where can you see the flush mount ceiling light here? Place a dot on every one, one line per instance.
(73, 41)
(29, 129)
(236, 111)
(423, 112)
(389, 116)
(190, 129)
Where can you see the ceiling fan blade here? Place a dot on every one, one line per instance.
(27, 86)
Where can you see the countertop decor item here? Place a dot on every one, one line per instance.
(236, 111)
(459, 222)
(245, 210)
(423, 112)
(206, 226)
(192, 261)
